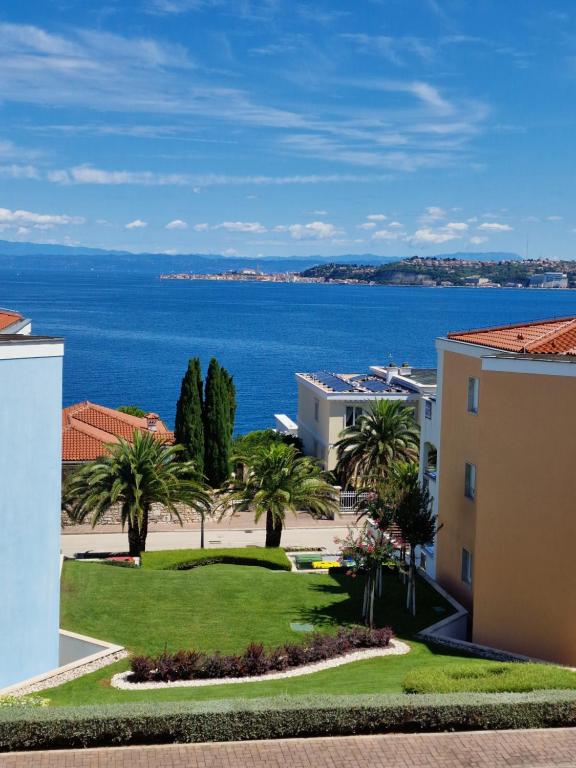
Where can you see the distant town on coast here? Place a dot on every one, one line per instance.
(414, 271)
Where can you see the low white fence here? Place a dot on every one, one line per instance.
(349, 501)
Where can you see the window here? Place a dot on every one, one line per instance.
(428, 409)
(473, 395)
(316, 410)
(422, 559)
(470, 481)
(353, 413)
(466, 567)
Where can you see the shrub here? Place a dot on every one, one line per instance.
(256, 660)
(26, 702)
(142, 668)
(278, 717)
(186, 559)
(489, 677)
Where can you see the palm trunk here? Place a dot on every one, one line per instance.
(201, 530)
(137, 536)
(273, 530)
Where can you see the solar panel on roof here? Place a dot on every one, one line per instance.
(376, 386)
(335, 383)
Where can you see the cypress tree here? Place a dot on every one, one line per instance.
(217, 431)
(189, 427)
(231, 394)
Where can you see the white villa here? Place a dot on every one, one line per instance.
(329, 402)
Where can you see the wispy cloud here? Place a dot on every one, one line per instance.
(177, 224)
(21, 218)
(314, 230)
(137, 224)
(494, 226)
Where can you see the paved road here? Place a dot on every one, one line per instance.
(306, 536)
(496, 749)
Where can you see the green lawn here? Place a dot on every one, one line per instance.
(225, 607)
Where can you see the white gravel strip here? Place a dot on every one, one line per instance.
(396, 648)
(71, 674)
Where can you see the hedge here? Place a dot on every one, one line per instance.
(490, 677)
(185, 559)
(282, 717)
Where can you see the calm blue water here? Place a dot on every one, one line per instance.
(129, 335)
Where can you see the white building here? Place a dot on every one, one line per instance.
(549, 280)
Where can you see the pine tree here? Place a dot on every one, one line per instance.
(217, 424)
(231, 393)
(189, 427)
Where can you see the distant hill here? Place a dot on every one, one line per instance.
(487, 256)
(201, 263)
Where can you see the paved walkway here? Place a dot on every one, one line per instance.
(483, 749)
(238, 531)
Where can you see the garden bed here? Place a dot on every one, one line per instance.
(319, 651)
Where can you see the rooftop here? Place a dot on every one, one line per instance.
(552, 337)
(87, 428)
(353, 384)
(8, 317)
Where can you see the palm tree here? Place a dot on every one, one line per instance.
(387, 433)
(278, 479)
(135, 475)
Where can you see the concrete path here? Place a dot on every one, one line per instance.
(484, 749)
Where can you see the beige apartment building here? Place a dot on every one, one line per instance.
(507, 484)
(330, 402)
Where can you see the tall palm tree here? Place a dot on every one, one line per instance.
(135, 475)
(276, 480)
(387, 433)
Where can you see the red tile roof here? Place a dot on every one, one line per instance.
(8, 318)
(88, 428)
(551, 337)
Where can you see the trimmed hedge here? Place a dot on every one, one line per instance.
(491, 677)
(186, 559)
(257, 660)
(275, 718)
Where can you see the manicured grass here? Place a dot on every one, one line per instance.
(183, 559)
(488, 677)
(225, 607)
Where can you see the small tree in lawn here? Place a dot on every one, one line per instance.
(367, 552)
(377, 508)
(415, 520)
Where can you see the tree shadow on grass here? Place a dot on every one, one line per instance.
(389, 610)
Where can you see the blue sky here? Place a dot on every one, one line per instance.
(279, 127)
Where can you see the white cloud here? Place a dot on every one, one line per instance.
(376, 217)
(367, 225)
(315, 230)
(136, 224)
(177, 224)
(230, 252)
(16, 171)
(456, 226)
(433, 213)
(395, 224)
(254, 227)
(478, 240)
(9, 218)
(494, 226)
(555, 218)
(87, 174)
(317, 213)
(425, 235)
(386, 234)
(202, 227)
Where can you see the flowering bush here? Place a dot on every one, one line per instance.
(22, 701)
(256, 660)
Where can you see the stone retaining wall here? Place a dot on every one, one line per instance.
(158, 514)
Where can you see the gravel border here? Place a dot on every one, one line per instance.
(69, 674)
(396, 648)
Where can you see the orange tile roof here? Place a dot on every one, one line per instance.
(8, 318)
(88, 428)
(551, 337)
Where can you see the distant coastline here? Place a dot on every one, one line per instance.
(413, 272)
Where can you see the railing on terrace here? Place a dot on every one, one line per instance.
(349, 501)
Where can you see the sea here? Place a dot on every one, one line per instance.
(128, 334)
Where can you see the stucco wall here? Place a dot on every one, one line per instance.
(459, 443)
(525, 579)
(30, 449)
